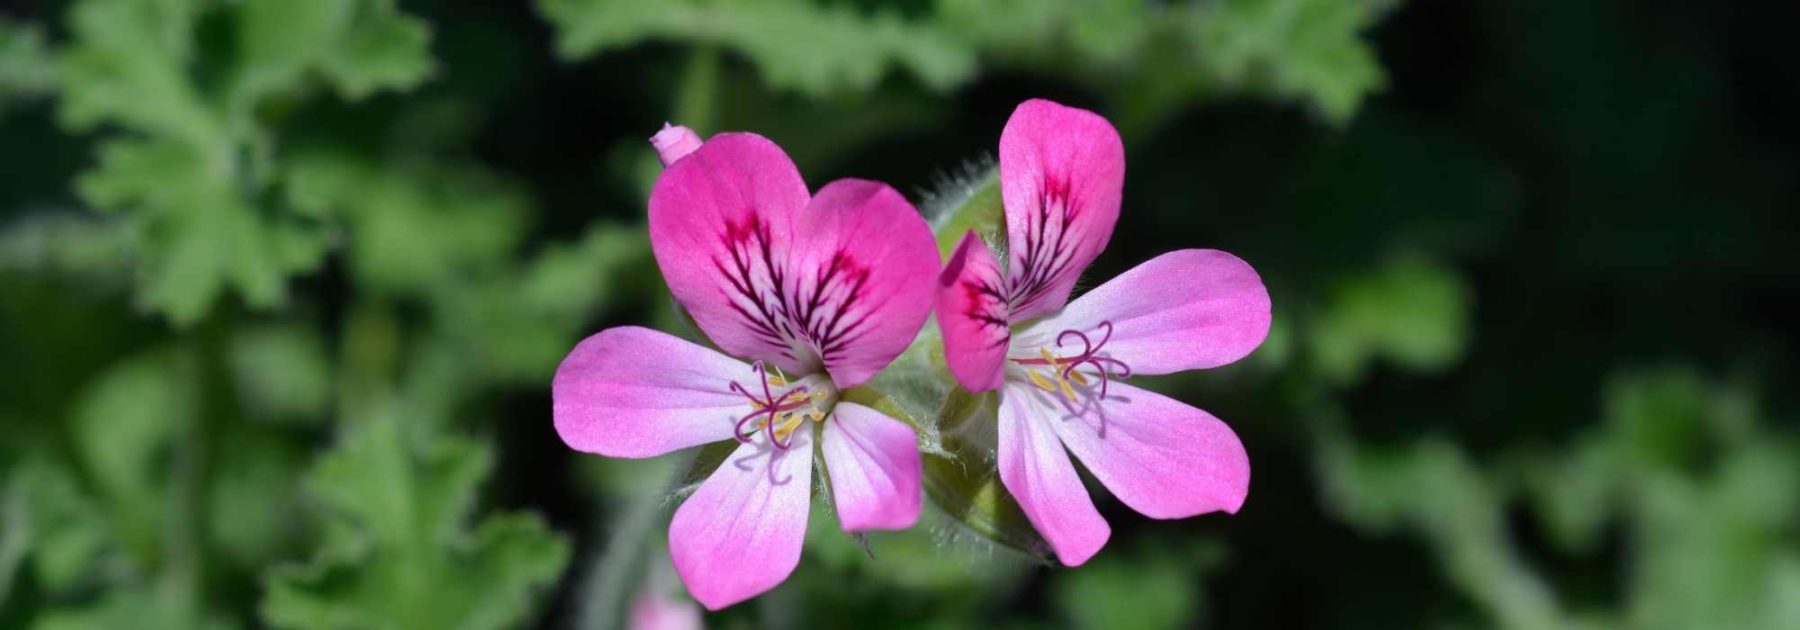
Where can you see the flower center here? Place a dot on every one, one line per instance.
(781, 405)
(1063, 375)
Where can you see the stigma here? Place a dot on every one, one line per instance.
(782, 405)
(1063, 373)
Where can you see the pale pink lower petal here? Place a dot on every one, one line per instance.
(1158, 455)
(860, 265)
(972, 315)
(1062, 171)
(740, 534)
(1037, 472)
(1184, 310)
(721, 220)
(636, 392)
(874, 465)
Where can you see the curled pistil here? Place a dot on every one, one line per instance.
(782, 414)
(1063, 367)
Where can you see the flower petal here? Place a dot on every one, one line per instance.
(1062, 171)
(721, 220)
(740, 534)
(1037, 472)
(972, 313)
(1184, 310)
(636, 392)
(859, 254)
(1158, 455)
(874, 466)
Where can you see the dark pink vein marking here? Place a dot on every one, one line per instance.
(1048, 251)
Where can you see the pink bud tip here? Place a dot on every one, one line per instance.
(674, 142)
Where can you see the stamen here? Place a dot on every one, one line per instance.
(1064, 367)
(768, 408)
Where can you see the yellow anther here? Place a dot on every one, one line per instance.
(788, 423)
(1061, 384)
(778, 378)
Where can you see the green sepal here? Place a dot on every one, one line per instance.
(968, 486)
(968, 203)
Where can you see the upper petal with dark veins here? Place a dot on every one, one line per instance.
(972, 313)
(859, 266)
(1062, 171)
(721, 225)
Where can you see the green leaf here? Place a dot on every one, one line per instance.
(282, 373)
(123, 427)
(1410, 311)
(1150, 588)
(1657, 419)
(1705, 496)
(412, 233)
(400, 555)
(1711, 550)
(382, 50)
(252, 514)
(28, 71)
(1435, 490)
(127, 64)
(1107, 32)
(190, 172)
(96, 250)
(544, 305)
(1308, 50)
(195, 235)
(1576, 494)
(360, 46)
(132, 608)
(446, 237)
(1151, 57)
(50, 525)
(796, 44)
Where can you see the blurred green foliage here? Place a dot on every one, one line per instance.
(190, 166)
(282, 285)
(395, 553)
(27, 71)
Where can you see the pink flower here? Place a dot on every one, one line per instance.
(817, 293)
(1062, 171)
